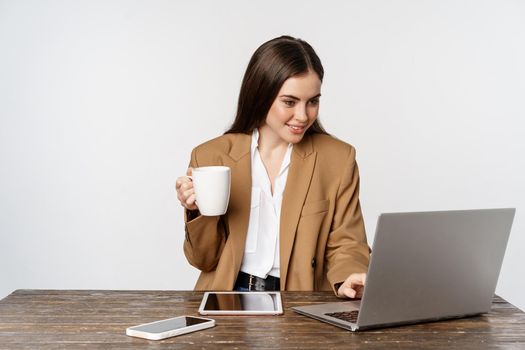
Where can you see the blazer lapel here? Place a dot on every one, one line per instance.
(240, 197)
(297, 185)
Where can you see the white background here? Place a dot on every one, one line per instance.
(102, 101)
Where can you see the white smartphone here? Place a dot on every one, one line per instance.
(170, 327)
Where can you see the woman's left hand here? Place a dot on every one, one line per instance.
(353, 286)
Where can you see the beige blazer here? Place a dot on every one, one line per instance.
(322, 238)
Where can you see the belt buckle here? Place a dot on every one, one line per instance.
(250, 283)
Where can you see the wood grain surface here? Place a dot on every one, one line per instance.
(97, 319)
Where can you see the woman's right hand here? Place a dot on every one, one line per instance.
(185, 191)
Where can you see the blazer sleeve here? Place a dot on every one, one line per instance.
(347, 249)
(205, 236)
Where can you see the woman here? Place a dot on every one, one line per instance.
(294, 220)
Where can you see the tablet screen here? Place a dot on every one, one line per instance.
(244, 302)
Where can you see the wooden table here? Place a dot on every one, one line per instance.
(69, 319)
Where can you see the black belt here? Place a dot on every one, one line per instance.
(255, 283)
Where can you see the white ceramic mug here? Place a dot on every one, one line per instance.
(212, 189)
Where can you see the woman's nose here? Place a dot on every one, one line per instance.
(300, 113)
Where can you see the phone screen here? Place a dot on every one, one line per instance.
(170, 324)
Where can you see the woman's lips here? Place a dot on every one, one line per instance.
(296, 129)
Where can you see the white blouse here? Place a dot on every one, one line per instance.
(261, 252)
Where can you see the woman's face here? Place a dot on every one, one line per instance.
(294, 110)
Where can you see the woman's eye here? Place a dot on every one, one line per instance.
(314, 102)
(289, 103)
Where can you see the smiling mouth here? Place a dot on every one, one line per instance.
(295, 127)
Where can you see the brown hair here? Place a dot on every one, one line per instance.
(270, 66)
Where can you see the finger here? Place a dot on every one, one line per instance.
(358, 291)
(345, 291)
(182, 201)
(188, 193)
(192, 206)
(181, 181)
(349, 292)
(181, 190)
(190, 200)
(183, 194)
(362, 278)
(180, 193)
(356, 284)
(189, 171)
(358, 279)
(186, 185)
(186, 202)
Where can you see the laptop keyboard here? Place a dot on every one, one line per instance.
(349, 316)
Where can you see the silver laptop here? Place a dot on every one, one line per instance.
(424, 267)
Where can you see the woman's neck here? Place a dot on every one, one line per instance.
(270, 143)
(271, 150)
